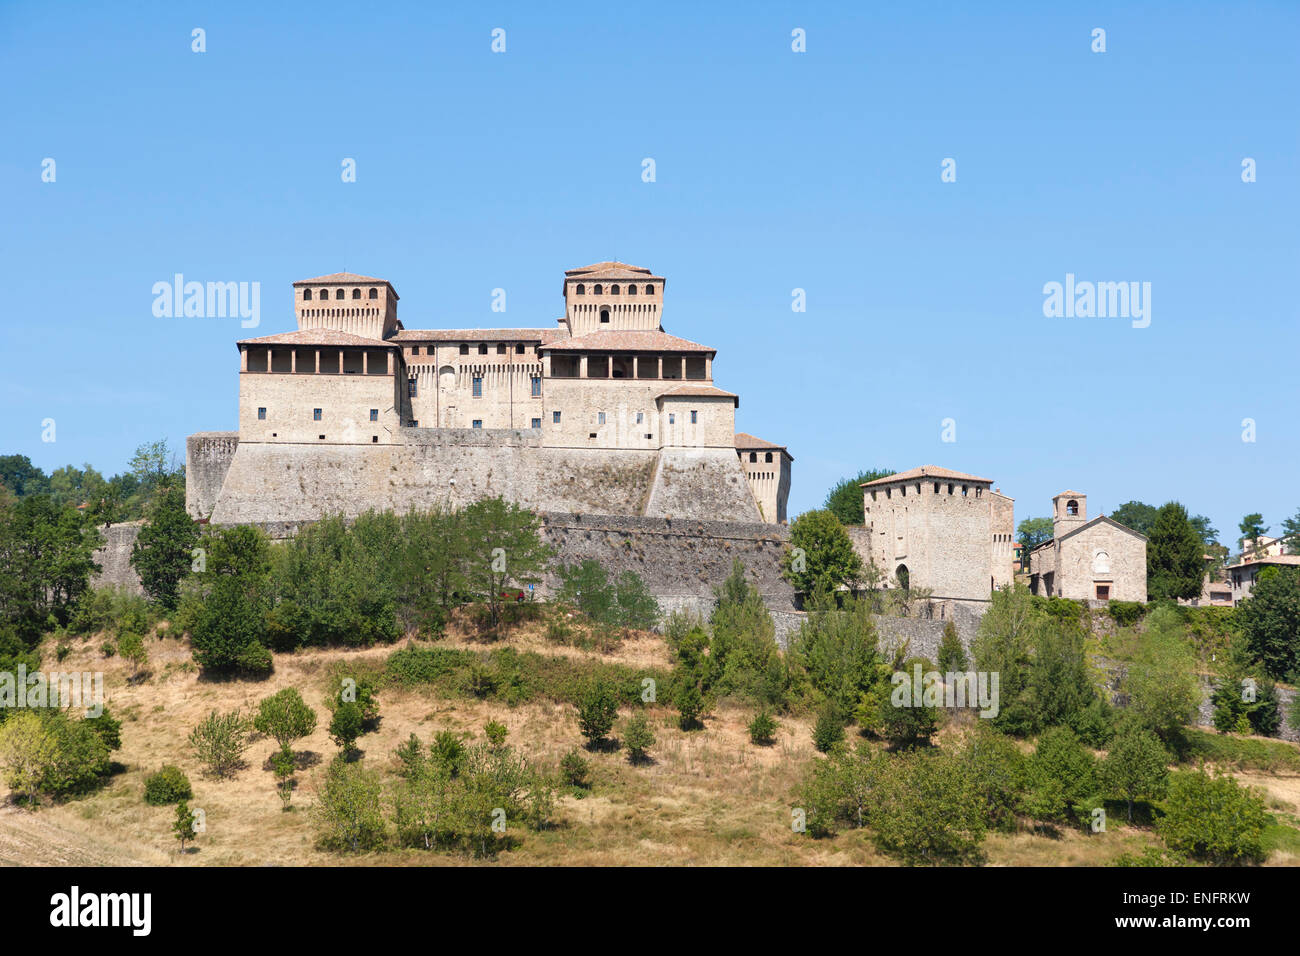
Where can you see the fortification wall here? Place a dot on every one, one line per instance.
(284, 482)
(114, 558)
(207, 459)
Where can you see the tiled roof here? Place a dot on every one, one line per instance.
(1069, 494)
(609, 270)
(695, 391)
(747, 441)
(628, 340)
(340, 277)
(926, 471)
(1289, 559)
(317, 337)
(478, 335)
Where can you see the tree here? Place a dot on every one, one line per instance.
(1175, 556)
(952, 655)
(1034, 531)
(234, 597)
(1161, 682)
(219, 742)
(928, 809)
(845, 499)
(19, 475)
(183, 826)
(1252, 528)
(638, 737)
(27, 749)
(1270, 622)
(1061, 776)
(743, 655)
(762, 729)
(131, 646)
(282, 765)
(348, 812)
(163, 550)
(505, 547)
(1137, 515)
(1291, 534)
(285, 716)
(821, 558)
(168, 785)
(46, 559)
(1136, 766)
(1214, 819)
(597, 709)
(345, 727)
(829, 729)
(836, 648)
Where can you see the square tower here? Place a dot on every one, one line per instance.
(346, 302)
(1069, 511)
(612, 296)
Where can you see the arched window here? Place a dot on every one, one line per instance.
(597, 290)
(374, 293)
(604, 315)
(356, 293)
(1072, 507)
(306, 295)
(613, 290)
(649, 290)
(338, 294)
(582, 289)
(631, 290)
(904, 578)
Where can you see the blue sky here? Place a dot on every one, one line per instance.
(775, 170)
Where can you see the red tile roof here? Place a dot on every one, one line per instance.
(695, 391)
(611, 270)
(334, 278)
(317, 337)
(747, 441)
(627, 340)
(926, 471)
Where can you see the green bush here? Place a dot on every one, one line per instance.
(168, 785)
(346, 726)
(828, 731)
(1126, 613)
(496, 733)
(1214, 819)
(348, 811)
(638, 738)
(596, 712)
(285, 717)
(762, 729)
(574, 770)
(219, 742)
(928, 809)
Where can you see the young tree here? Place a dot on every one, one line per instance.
(1163, 688)
(131, 646)
(219, 742)
(952, 655)
(27, 749)
(1061, 776)
(1137, 515)
(597, 709)
(638, 737)
(282, 765)
(1175, 556)
(183, 827)
(285, 716)
(1252, 528)
(349, 812)
(1291, 534)
(1136, 766)
(234, 597)
(163, 550)
(505, 548)
(821, 558)
(345, 727)
(845, 499)
(1214, 819)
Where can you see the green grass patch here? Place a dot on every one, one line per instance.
(1241, 754)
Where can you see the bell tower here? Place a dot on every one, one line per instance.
(1069, 511)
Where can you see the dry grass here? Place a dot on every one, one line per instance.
(708, 797)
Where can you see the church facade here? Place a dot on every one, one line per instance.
(1097, 560)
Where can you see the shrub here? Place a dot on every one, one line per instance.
(348, 811)
(168, 785)
(1136, 766)
(282, 765)
(1061, 776)
(928, 809)
(1214, 819)
(496, 733)
(448, 752)
(597, 710)
(574, 769)
(689, 703)
(183, 826)
(1126, 613)
(828, 731)
(762, 729)
(131, 646)
(219, 742)
(345, 727)
(638, 737)
(952, 656)
(997, 770)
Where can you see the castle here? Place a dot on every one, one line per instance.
(605, 413)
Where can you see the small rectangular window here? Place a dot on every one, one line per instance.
(482, 350)
(672, 419)
(537, 386)
(555, 417)
(640, 416)
(464, 350)
(415, 350)
(519, 350)
(537, 423)
(695, 418)
(414, 423)
(374, 414)
(261, 414)
(412, 389)
(478, 386)
(478, 423)
(501, 350)
(600, 418)
(315, 414)
(374, 438)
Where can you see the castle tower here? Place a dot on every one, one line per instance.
(612, 296)
(346, 302)
(1069, 511)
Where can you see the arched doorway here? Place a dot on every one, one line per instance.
(904, 579)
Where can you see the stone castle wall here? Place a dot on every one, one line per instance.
(207, 459)
(284, 482)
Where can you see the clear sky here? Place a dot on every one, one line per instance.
(775, 170)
